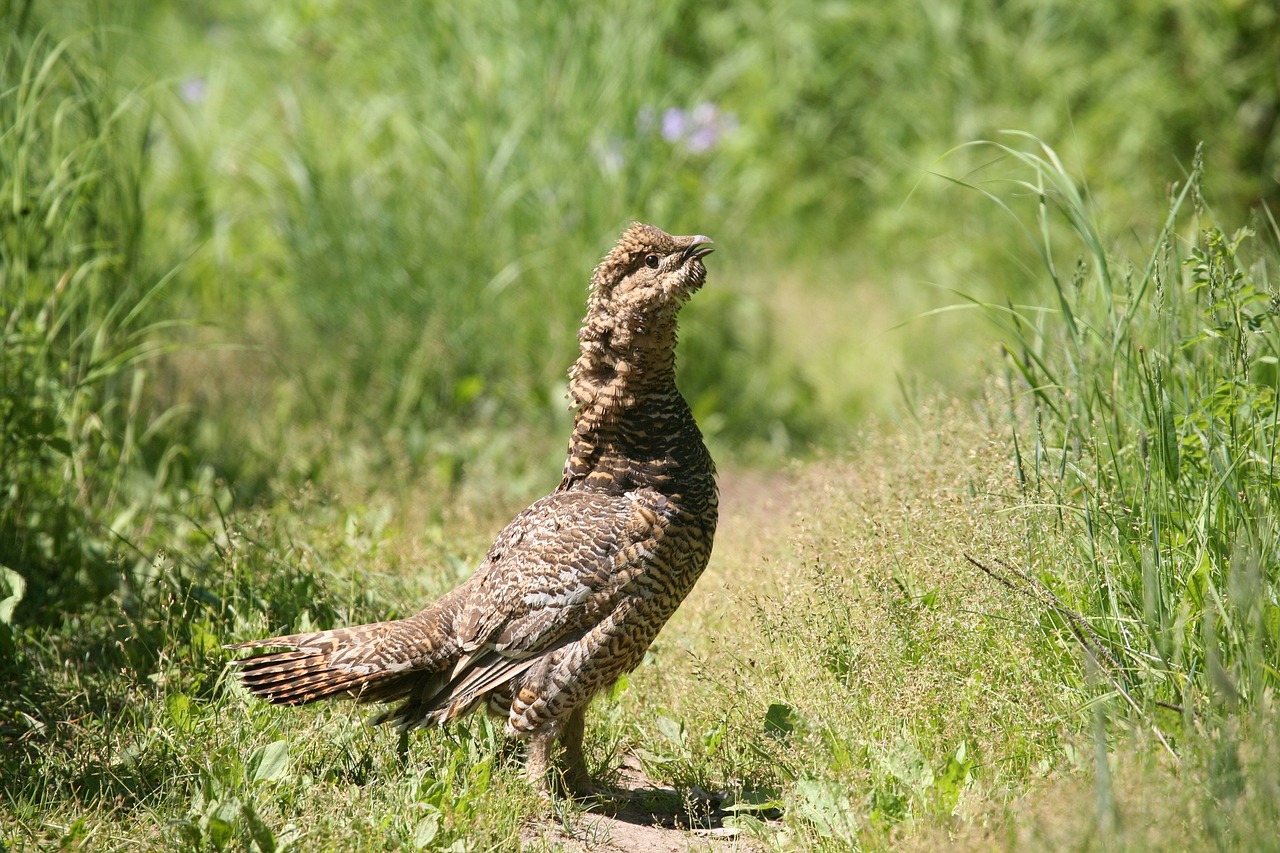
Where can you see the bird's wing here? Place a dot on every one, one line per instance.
(559, 568)
(555, 572)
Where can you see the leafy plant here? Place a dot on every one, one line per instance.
(81, 453)
(1145, 411)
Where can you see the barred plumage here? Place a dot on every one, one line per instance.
(577, 586)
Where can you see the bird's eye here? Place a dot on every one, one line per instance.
(651, 261)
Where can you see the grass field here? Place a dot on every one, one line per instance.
(289, 294)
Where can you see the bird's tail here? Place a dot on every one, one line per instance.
(368, 663)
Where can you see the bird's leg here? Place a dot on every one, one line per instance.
(538, 766)
(576, 777)
(538, 762)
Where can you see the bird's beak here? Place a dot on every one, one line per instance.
(700, 247)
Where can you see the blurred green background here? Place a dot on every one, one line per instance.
(250, 246)
(289, 291)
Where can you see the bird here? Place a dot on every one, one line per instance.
(575, 588)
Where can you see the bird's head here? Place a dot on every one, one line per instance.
(628, 337)
(649, 274)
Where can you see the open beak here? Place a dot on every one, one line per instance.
(699, 248)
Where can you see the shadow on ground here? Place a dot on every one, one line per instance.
(638, 815)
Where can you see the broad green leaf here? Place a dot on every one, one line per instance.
(179, 709)
(425, 831)
(263, 837)
(779, 720)
(12, 587)
(268, 762)
(671, 730)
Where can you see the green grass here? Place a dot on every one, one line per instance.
(1148, 414)
(82, 321)
(1143, 415)
(289, 294)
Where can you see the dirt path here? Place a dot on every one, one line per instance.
(641, 816)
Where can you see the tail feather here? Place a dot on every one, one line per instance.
(301, 686)
(377, 662)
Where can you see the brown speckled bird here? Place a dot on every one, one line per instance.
(575, 589)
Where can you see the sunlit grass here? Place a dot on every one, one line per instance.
(288, 298)
(1148, 411)
(1143, 415)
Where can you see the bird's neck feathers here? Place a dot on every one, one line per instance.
(625, 361)
(631, 427)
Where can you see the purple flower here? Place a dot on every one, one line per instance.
(702, 139)
(675, 124)
(698, 130)
(193, 90)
